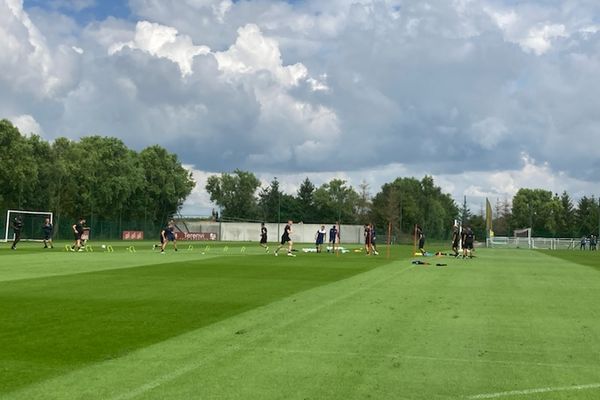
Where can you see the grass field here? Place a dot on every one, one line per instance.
(514, 324)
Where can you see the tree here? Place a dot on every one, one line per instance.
(166, 183)
(364, 203)
(19, 172)
(587, 216)
(234, 193)
(336, 202)
(269, 202)
(413, 202)
(305, 201)
(98, 178)
(566, 220)
(537, 209)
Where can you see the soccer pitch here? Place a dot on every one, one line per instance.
(227, 324)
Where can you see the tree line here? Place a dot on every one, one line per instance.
(403, 203)
(98, 178)
(548, 214)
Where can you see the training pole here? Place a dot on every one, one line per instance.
(389, 240)
(339, 240)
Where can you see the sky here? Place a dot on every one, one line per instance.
(487, 96)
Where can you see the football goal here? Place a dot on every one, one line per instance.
(32, 225)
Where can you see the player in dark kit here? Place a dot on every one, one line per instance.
(320, 238)
(373, 239)
(47, 229)
(468, 239)
(17, 226)
(167, 234)
(263, 237)
(285, 239)
(78, 233)
(334, 234)
(421, 238)
(367, 235)
(455, 240)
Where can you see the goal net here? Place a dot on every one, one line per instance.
(32, 224)
(523, 238)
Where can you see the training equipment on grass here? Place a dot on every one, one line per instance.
(109, 249)
(190, 247)
(88, 248)
(243, 249)
(32, 225)
(420, 262)
(226, 249)
(131, 249)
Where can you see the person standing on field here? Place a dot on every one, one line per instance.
(333, 237)
(367, 235)
(17, 226)
(320, 238)
(421, 239)
(455, 240)
(468, 239)
(263, 237)
(47, 229)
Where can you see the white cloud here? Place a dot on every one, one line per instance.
(539, 38)
(27, 125)
(364, 89)
(163, 41)
(26, 61)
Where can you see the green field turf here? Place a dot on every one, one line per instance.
(513, 324)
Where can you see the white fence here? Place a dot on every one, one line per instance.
(532, 243)
(250, 232)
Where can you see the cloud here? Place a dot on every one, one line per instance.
(27, 125)
(366, 88)
(163, 41)
(27, 62)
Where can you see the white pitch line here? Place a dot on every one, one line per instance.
(534, 391)
(161, 380)
(420, 357)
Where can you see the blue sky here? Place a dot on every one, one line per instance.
(83, 11)
(485, 95)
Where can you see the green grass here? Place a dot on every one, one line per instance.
(245, 325)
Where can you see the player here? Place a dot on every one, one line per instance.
(455, 240)
(320, 238)
(168, 235)
(367, 235)
(468, 239)
(373, 239)
(17, 226)
(47, 229)
(263, 237)
(334, 235)
(78, 233)
(285, 239)
(421, 238)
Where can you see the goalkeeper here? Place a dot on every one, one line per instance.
(17, 226)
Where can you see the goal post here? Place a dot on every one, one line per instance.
(523, 237)
(32, 225)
